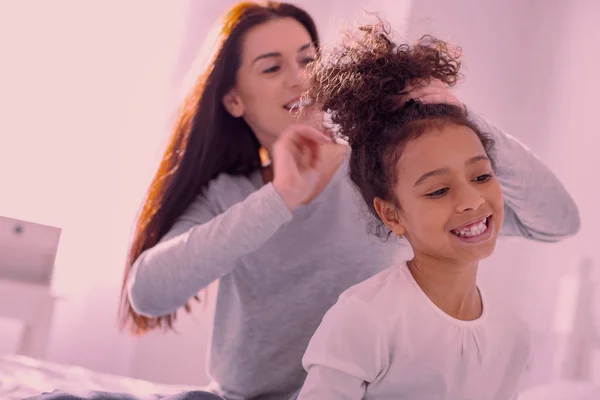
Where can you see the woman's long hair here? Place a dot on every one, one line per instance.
(207, 141)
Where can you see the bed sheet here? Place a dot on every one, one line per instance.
(22, 377)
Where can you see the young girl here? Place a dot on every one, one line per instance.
(421, 329)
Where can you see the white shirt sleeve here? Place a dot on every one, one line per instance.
(345, 354)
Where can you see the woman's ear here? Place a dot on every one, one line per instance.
(390, 215)
(233, 104)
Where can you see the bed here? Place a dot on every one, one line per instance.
(22, 377)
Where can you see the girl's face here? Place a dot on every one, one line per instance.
(451, 203)
(272, 77)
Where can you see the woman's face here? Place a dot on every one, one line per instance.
(272, 77)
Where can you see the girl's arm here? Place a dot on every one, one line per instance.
(346, 353)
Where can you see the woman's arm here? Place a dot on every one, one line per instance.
(200, 248)
(537, 205)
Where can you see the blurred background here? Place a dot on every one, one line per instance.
(87, 95)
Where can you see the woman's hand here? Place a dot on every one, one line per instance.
(296, 157)
(435, 92)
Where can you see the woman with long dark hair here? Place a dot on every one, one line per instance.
(284, 234)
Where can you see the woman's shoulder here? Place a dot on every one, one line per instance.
(224, 191)
(226, 186)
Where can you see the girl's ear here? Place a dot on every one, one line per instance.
(390, 215)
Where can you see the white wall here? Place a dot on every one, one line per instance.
(82, 102)
(574, 140)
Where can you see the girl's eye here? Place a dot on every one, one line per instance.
(437, 193)
(483, 178)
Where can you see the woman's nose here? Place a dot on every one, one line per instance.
(296, 76)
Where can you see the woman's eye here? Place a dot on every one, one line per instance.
(274, 68)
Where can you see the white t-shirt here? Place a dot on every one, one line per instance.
(385, 339)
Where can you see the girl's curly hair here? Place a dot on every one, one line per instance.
(361, 85)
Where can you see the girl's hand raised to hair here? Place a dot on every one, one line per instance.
(435, 92)
(296, 156)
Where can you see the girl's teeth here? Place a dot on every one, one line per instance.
(473, 230)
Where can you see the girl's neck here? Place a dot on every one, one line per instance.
(451, 286)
